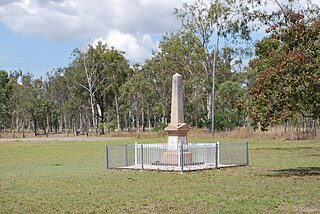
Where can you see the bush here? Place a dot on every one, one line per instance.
(107, 126)
(159, 127)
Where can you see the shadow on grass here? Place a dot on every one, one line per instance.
(289, 149)
(314, 155)
(300, 171)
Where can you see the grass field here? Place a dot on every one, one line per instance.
(70, 177)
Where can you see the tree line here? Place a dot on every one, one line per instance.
(99, 91)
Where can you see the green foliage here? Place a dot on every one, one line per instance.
(229, 94)
(288, 70)
(32, 103)
(100, 86)
(98, 74)
(109, 126)
(227, 119)
(203, 123)
(216, 26)
(159, 127)
(6, 90)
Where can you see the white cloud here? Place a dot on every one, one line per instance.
(125, 24)
(136, 47)
(61, 19)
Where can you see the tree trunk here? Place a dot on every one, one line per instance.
(66, 126)
(142, 120)
(12, 128)
(133, 120)
(35, 127)
(17, 124)
(80, 123)
(48, 125)
(149, 119)
(74, 128)
(163, 119)
(213, 86)
(60, 127)
(209, 103)
(87, 123)
(285, 127)
(117, 112)
(142, 115)
(126, 125)
(94, 121)
(101, 117)
(138, 123)
(23, 136)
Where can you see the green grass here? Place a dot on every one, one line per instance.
(70, 177)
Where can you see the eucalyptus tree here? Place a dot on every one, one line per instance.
(6, 92)
(210, 22)
(277, 13)
(159, 74)
(19, 99)
(31, 103)
(87, 69)
(139, 93)
(229, 96)
(77, 105)
(100, 71)
(181, 53)
(60, 92)
(117, 71)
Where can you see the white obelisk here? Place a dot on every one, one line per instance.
(177, 128)
(177, 115)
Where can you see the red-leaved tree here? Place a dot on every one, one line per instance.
(288, 73)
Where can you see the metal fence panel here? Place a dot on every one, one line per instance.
(193, 156)
(150, 154)
(202, 153)
(120, 156)
(233, 153)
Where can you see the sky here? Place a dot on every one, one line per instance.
(37, 36)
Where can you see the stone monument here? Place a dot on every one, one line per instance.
(177, 128)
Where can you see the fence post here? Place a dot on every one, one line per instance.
(142, 168)
(107, 157)
(217, 154)
(247, 153)
(181, 158)
(135, 153)
(126, 154)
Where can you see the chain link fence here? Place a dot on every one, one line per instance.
(190, 157)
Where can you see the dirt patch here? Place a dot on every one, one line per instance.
(62, 139)
(310, 209)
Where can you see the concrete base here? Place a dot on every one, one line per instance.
(167, 168)
(172, 158)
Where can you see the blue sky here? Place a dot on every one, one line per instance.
(33, 54)
(37, 36)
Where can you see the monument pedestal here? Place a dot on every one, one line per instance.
(177, 135)
(173, 158)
